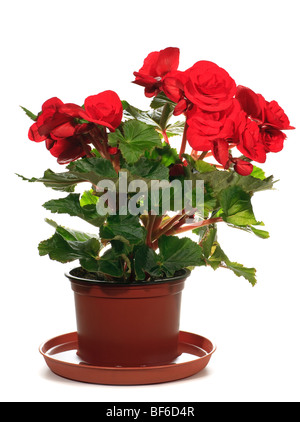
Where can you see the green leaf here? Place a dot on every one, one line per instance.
(168, 155)
(126, 228)
(60, 248)
(29, 114)
(148, 169)
(131, 112)
(178, 253)
(253, 184)
(68, 245)
(92, 169)
(175, 128)
(236, 206)
(220, 259)
(220, 180)
(146, 262)
(217, 257)
(208, 241)
(88, 198)
(260, 233)
(204, 167)
(258, 173)
(136, 139)
(158, 117)
(164, 114)
(71, 205)
(64, 182)
(109, 264)
(70, 234)
(160, 100)
(241, 271)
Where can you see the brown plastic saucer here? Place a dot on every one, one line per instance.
(61, 357)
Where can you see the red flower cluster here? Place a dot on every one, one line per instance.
(219, 115)
(67, 129)
(156, 66)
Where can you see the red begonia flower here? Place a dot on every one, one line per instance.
(264, 112)
(206, 126)
(68, 149)
(173, 85)
(272, 139)
(253, 104)
(242, 167)
(220, 151)
(276, 117)
(250, 142)
(104, 109)
(156, 65)
(53, 121)
(209, 86)
(57, 125)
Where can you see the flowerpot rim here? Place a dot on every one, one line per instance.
(182, 274)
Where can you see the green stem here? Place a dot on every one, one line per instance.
(165, 115)
(183, 142)
(203, 155)
(86, 149)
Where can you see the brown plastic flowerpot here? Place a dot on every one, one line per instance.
(128, 324)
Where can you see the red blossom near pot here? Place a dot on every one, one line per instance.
(156, 66)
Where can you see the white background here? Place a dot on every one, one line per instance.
(73, 49)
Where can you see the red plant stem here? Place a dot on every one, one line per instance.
(115, 159)
(196, 225)
(105, 144)
(97, 144)
(101, 147)
(150, 229)
(144, 219)
(184, 229)
(157, 223)
(167, 226)
(165, 136)
(183, 143)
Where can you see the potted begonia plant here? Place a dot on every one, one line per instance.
(142, 187)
